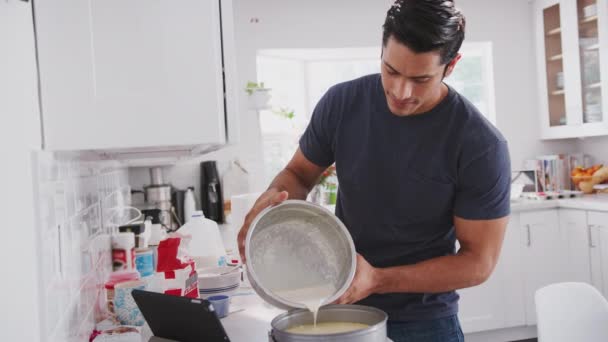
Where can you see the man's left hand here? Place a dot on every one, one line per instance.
(364, 284)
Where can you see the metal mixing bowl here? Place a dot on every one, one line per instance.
(375, 318)
(294, 243)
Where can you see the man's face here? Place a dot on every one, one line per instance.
(411, 81)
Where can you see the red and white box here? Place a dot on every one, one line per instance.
(175, 271)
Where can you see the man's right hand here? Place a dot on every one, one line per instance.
(269, 198)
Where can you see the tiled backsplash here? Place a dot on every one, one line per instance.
(76, 213)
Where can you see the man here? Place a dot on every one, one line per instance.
(418, 167)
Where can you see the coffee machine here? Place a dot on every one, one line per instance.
(158, 196)
(212, 199)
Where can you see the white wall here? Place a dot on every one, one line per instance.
(19, 135)
(596, 147)
(77, 204)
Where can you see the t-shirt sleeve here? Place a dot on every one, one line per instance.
(317, 142)
(484, 185)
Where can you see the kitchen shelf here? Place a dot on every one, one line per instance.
(588, 19)
(555, 31)
(558, 92)
(594, 85)
(593, 47)
(556, 57)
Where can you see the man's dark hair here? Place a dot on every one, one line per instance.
(426, 25)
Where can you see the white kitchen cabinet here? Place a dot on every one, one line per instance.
(22, 315)
(499, 302)
(543, 257)
(577, 243)
(572, 45)
(598, 241)
(134, 74)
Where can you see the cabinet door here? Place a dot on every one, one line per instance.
(598, 240)
(542, 255)
(602, 29)
(590, 16)
(118, 74)
(551, 53)
(499, 302)
(572, 42)
(574, 229)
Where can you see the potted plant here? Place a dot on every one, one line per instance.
(284, 112)
(259, 96)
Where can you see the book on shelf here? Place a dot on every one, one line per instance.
(553, 171)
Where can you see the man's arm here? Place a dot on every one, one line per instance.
(480, 243)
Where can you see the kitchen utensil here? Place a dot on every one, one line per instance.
(158, 196)
(375, 318)
(297, 244)
(221, 304)
(218, 280)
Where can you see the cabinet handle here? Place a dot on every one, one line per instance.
(589, 236)
(529, 242)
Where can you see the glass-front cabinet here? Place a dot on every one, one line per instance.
(572, 54)
(554, 65)
(589, 47)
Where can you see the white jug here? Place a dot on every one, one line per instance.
(206, 246)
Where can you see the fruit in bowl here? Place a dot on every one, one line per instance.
(585, 178)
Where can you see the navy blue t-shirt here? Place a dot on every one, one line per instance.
(403, 179)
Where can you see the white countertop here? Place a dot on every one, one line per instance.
(597, 202)
(249, 318)
(587, 202)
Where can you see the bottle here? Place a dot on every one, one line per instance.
(206, 245)
(189, 204)
(212, 198)
(123, 251)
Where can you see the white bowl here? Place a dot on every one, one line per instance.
(589, 10)
(209, 279)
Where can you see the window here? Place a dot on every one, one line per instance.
(300, 77)
(473, 77)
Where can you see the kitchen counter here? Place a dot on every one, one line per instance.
(587, 202)
(597, 202)
(249, 318)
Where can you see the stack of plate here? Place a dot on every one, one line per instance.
(223, 280)
(593, 113)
